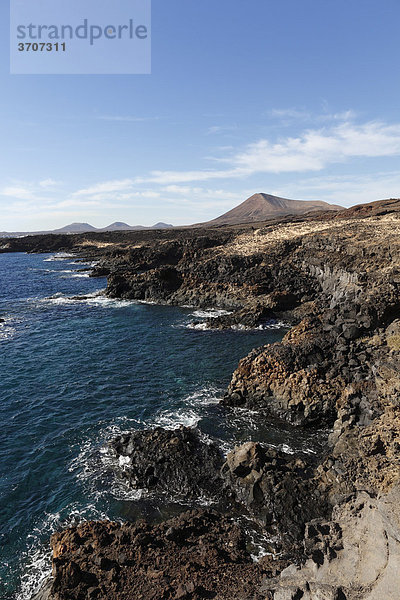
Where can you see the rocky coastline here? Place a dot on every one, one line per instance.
(334, 520)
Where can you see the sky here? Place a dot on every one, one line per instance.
(297, 98)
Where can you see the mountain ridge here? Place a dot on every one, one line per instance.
(86, 228)
(261, 207)
(258, 207)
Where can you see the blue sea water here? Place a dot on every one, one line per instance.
(75, 372)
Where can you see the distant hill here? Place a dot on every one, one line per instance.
(119, 226)
(377, 208)
(162, 226)
(86, 228)
(75, 228)
(261, 207)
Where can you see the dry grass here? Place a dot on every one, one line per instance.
(94, 244)
(394, 342)
(259, 240)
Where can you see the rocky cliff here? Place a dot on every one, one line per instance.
(336, 279)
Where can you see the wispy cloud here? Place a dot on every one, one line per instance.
(288, 116)
(312, 150)
(345, 190)
(108, 187)
(116, 189)
(170, 177)
(300, 165)
(315, 149)
(49, 183)
(215, 129)
(289, 113)
(126, 118)
(18, 192)
(197, 193)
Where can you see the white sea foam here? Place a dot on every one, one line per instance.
(308, 451)
(36, 565)
(89, 263)
(94, 465)
(258, 541)
(287, 449)
(58, 256)
(262, 327)
(109, 302)
(207, 326)
(171, 419)
(36, 560)
(80, 275)
(124, 461)
(96, 298)
(210, 313)
(190, 413)
(199, 326)
(8, 327)
(68, 273)
(6, 332)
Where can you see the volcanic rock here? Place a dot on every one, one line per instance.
(198, 555)
(278, 489)
(177, 463)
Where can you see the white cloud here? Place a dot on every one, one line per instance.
(202, 193)
(30, 192)
(345, 190)
(48, 183)
(312, 150)
(19, 192)
(305, 161)
(221, 129)
(106, 187)
(114, 190)
(289, 115)
(126, 119)
(170, 177)
(141, 194)
(315, 149)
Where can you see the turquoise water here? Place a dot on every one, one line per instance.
(75, 372)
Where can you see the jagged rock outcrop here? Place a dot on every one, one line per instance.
(337, 280)
(275, 489)
(356, 556)
(200, 554)
(278, 489)
(177, 463)
(291, 379)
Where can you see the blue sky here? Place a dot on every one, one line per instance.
(298, 98)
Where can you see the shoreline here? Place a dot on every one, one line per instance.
(337, 367)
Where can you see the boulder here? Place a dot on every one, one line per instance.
(174, 462)
(200, 554)
(278, 489)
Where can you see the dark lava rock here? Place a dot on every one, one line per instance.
(278, 489)
(290, 379)
(100, 271)
(198, 555)
(176, 462)
(248, 318)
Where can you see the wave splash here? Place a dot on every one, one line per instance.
(36, 560)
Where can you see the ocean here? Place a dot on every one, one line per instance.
(76, 371)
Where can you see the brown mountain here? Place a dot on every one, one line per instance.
(261, 207)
